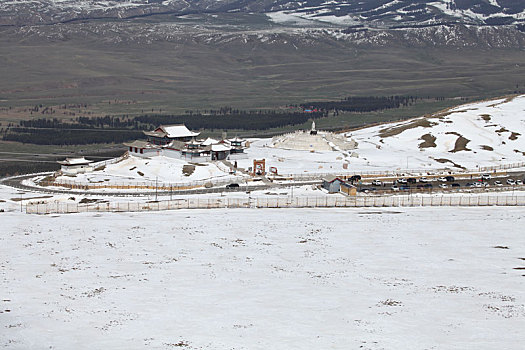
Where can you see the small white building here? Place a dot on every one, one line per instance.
(75, 165)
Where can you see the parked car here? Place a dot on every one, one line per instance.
(354, 178)
(377, 183)
(423, 179)
(442, 179)
(411, 180)
(455, 184)
(498, 183)
(394, 188)
(401, 181)
(449, 178)
(428, 185)
(404, 188)
(511, 182)
(519, 182)
(486, 177)
(443, 186)
(477, 184)
(233, 185)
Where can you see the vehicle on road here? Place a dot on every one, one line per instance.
(401, 181)
(511, 182)
(423, 179)
(428, 185)
(455, 184)
(395, 188)
(377, 183)
(486, 177)
(449, 178)
(498, 183)
(442, 179)
(443, 186)
(519, 182)
(233, 185)
(477, 184)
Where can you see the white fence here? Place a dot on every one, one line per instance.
(403, 172)
(279, 202)
(144, 185)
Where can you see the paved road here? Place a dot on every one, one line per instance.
(16, 182)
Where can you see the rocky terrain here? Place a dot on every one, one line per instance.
(371, 12)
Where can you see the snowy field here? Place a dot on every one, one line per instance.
(135, 170)
(488, 133)
(408, 278)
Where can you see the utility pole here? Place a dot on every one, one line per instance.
(156, 187)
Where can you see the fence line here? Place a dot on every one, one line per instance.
(405, 172)
(277, 202)
(140, 185)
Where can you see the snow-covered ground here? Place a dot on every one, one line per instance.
(495, 131)
(135, 170)
(417, 278)
(355, 278)
(493, 134)
(482, 134)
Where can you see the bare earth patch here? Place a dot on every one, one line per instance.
(501, 130)
(444, 160)
(188, 169)
(514, 136)
(428, 141)
(487, 148)
(396, 130)
(485, 117)
(461, 143)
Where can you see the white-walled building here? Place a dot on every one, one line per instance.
(73, 166)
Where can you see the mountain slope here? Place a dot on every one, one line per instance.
(370, 12)
(484, 133)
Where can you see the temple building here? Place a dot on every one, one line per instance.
(165, 134)
(177, 141)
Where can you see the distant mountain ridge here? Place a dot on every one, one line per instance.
(377, 13)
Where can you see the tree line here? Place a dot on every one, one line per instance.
(361, 104)
(118, 129)
(87, 130)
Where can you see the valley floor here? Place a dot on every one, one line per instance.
(403, 278)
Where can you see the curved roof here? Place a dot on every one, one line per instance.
(180, 130)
